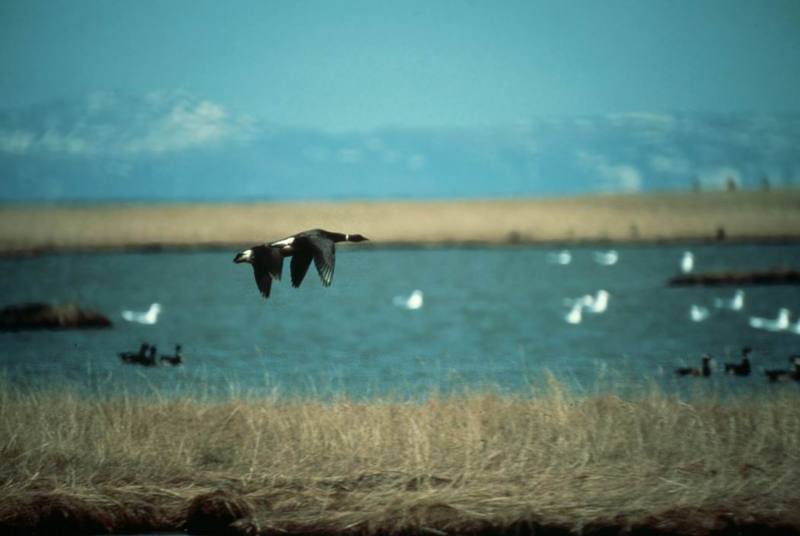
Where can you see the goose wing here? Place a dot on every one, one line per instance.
(301, 260)
(321, 250)
(267, 265)
(324, 258)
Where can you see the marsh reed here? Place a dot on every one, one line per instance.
(455, 464)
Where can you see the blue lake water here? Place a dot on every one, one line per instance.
(492, 318)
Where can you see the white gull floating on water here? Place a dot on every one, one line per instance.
(148, 317)
(598, 303)
(562, 257)
(575, 315)
(414, 301)
(734, 304)
(606, 258)
(698, 313)
(778, 324)
(593, 304)
(687, 262)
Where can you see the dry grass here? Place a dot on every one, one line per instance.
(460, 464)
(654, 217)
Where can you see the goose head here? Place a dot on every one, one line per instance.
(244, 256)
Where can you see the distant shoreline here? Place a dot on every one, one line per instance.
(621, 219)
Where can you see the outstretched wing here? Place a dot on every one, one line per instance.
(301, 260)
(267, 265)
(324, 258)
(263, 280)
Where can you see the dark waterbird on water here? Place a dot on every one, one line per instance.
(778, 375)
(704, 371)
(316, 244)
(141, 357)
(743, 368)
(176, 359)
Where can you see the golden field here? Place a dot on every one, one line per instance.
(476, 463)
(657, 217)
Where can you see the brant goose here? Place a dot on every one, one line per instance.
(148, 317)
(687, 262)
(776, 375)
(704, 371)
(316, 244)
(135, 357)
(176, 359)
(779, 324)
(140, 358)
(150, 361)
(743, 368)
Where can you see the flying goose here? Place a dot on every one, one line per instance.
(315, 244)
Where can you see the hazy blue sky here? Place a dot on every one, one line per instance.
(365, 64)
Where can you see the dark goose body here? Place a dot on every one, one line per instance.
(704, 371)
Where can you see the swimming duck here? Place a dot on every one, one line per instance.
(704, 371)
(316, 244)
(176, 359)
(743, 368)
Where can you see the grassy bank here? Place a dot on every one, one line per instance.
(620, 218)
(457, 465)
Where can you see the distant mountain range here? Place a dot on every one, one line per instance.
(168, 146)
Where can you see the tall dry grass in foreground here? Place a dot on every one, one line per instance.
(461, 464)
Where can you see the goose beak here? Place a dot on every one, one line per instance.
(242, 256)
